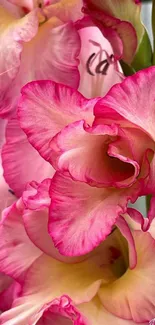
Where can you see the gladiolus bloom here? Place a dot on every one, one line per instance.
(98, 290)
(103, 154)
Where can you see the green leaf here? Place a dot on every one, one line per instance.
(127, 69)
(144, 55)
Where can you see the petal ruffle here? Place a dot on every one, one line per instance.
(58, 312)
(134, 100)
(73, 150)
(84, 215)
(49, 279)
(35, 216)
(46, 107)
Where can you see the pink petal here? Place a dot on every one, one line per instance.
(29, 4)
(96, 314)
(126, 232)
(35, 216)
(9, 295)
(46, 282)
(21, 162)
(83, 214)
(73, 150)
(36, 195)
(134, 100)
(2, 132)
(136, 216)
(7, 197)
(60, 46)
(58, 312)
(46, 107)
(13, 34)
(130, 297)
(11, 8)
(65, 10)
(15, 244)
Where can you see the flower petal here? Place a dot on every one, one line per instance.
(65, 10)
(35, 216)
(58, 312)
(126, 232)
(131, 297)
(96, 314)
(49, 279)
(46, 107)
(9, 295)
(84, 214)
(73, 150)
(134, 100)
(60, 47)
(128, 11)
(13, 33)
(7, 197)
(15, 163)
(29, 4)
(15, 244)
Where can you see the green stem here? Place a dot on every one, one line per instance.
(148, 199)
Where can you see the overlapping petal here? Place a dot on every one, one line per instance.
(21, 162)
(46, 107)
(84, 215)
(59, 44)
(120, 17)
(35, 217)
(134, 100)
(78, 281)
(72, 151)
(59, 312)
(13, 33)
(15, 243)
(96, 314)
(65, 10)
(60, 47)
(132, 297)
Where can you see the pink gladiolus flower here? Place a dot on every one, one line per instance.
(15, 163)
(103, 154)
(98, 290)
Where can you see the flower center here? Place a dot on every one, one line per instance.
(119, 254)
(102, 65)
